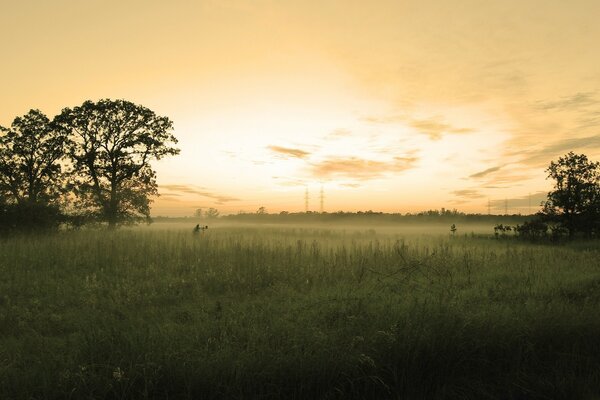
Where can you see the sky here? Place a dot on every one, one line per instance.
(394, 106)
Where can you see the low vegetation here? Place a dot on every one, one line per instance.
(297, 313)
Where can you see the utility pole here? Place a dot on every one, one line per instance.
(322, 199)
(306, 200)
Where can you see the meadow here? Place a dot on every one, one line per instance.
(314, 312)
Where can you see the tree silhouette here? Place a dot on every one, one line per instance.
(211, 213)
(112, 144)
(30, 152)
(575, 201)
(31, 182)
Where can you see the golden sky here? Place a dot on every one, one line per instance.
(388, 105)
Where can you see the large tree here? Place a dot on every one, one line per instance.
(112, 144)
(30, 154)
(575, 201)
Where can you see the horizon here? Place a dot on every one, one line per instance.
(394, 107)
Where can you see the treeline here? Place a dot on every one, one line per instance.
(88, 165)
(425, 217)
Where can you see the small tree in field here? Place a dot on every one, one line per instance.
(112, 144)
(575, 201)
(212, 213)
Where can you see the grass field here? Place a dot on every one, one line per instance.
(305, 313)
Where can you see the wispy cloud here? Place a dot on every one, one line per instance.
(467, 194)
(543, 155)
(359, 168)
(575, 101)
(289, 152)
(289, 182)
(171, 197)
(339, 133)
(178, 190)
(588, 120)
(485, 172)
(385, 119)
(434, 127)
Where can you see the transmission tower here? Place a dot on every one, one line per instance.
(306, 200)
(322, 200)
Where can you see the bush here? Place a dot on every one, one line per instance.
(30, 217)
(532, 230)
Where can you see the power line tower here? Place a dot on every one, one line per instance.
(306, 200)
(322, 200)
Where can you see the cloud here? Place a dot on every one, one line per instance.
(485, 172)
(589, 120)
(467, 194)
(339, 133)
(171, 197)
(385, 119)
(177, 190)
(359, 168)
(289, 152)
(542, 156)
(578, 100)
(497, 186)
(351, 185)
(433, 127)
(289, 182)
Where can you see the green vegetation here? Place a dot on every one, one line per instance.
(574, 204)
(90, 164)
(297, 313)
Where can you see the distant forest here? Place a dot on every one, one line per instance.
(431, 216)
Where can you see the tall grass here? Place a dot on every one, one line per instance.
(296, 313)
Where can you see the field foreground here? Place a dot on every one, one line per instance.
(296, 313)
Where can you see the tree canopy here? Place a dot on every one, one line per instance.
(575, 201)
(30, 154)
(111, 145)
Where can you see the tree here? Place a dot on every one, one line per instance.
(30, 154)
(198, 213)
(212, 213)
(532, 230)
(31, 183)
(575, 201)
(261, 210)
(112, 144)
